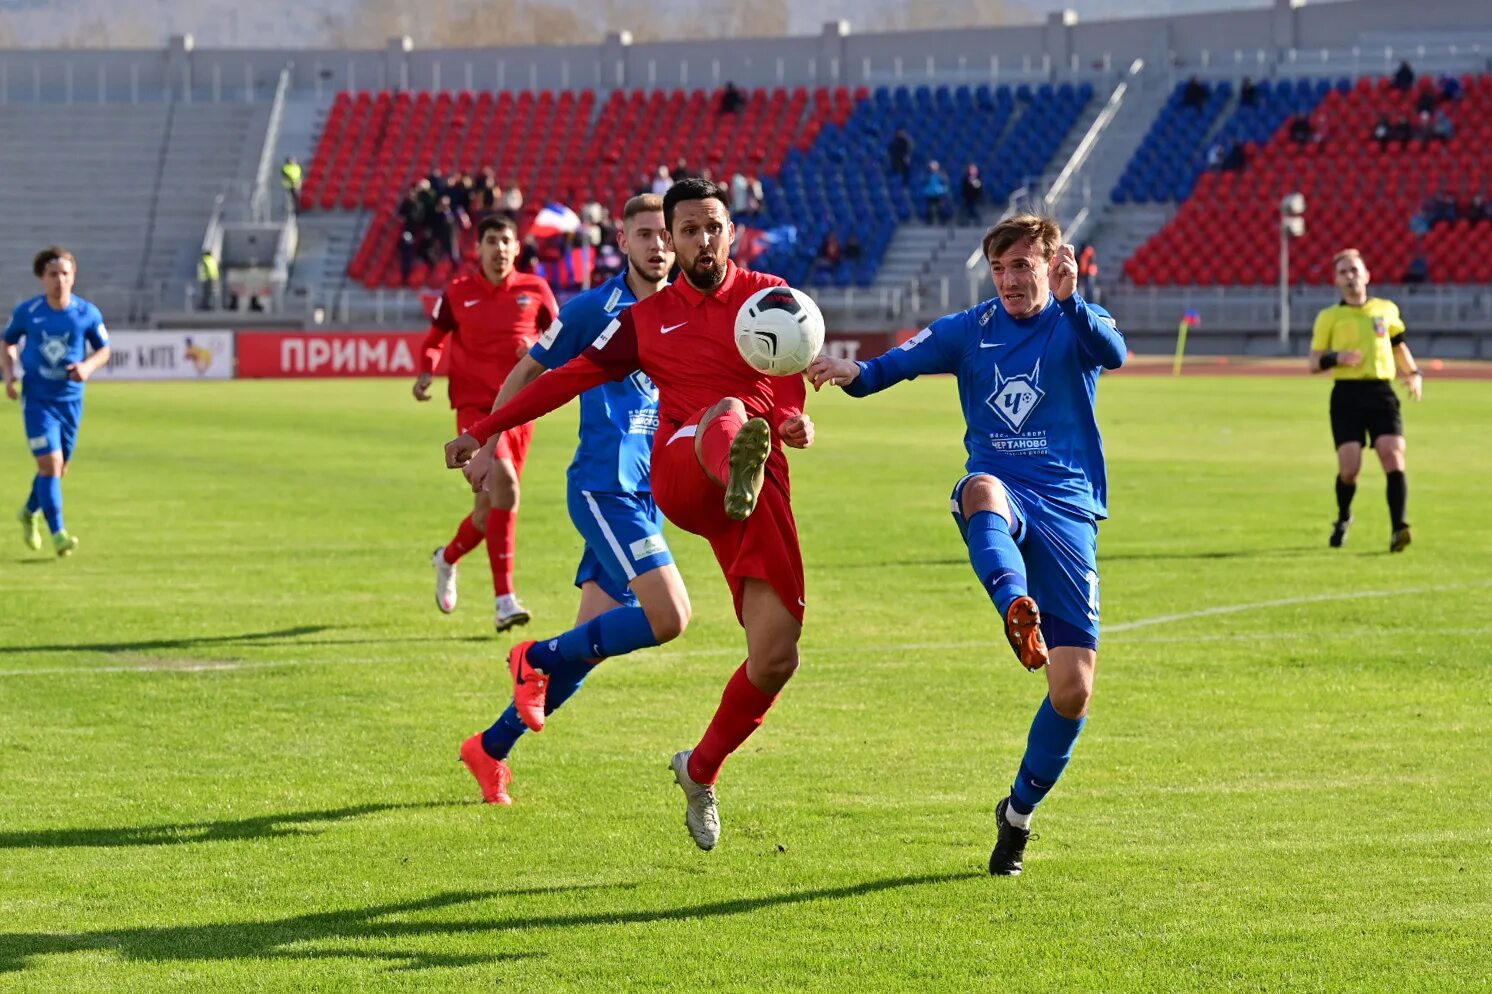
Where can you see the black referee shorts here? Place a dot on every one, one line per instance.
(1364, 409)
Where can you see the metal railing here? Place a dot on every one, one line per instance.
(259, 202)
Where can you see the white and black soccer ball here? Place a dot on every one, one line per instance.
(779, 330)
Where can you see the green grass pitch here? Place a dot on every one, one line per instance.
(228, 725)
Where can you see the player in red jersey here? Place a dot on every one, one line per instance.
(493, 317)
(718, 464)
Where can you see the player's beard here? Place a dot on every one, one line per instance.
(706, 278)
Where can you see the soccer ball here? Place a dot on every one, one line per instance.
(779, 330)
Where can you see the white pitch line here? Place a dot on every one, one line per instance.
(1120, 627)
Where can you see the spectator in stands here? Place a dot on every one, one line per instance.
(291, 175)
(899, 153)
(1088, 273)
(1476, 209)
(1423, 127)
(1442, 128)
(1419, 268)
(971, 193)
(732, 101)
(1401, 131)
(1248, 93)
(1381, 131)
(830, 254)
(1216, 153)
(1236, 158)
(852, 248)
(1429, 98)
(662, 180)
(447, 224)
(1442, 207)
(408, 250)
(1195, 94)
(490, 190)
(207, 280)
(681, 170)
(464, 193)
(1302, 132)
(935, 194)
(1404, 77)
(740, 195)
(513, 201)
(1450, 88)
(755, 195)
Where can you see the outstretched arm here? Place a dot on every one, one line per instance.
(547, 393)
(934, 349)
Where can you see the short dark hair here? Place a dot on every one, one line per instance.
(693, 188)
(1044, 231)
(496, 222)
(641, 204)
(49, 255)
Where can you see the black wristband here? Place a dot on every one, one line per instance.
(1412, 372)
(1328, 360)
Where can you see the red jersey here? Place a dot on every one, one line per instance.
(491, 326)
(684, 340)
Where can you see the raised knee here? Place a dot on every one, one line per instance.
(1072, 701)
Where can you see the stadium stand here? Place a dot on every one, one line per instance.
(826, 171)
(1359, 190)
(128, 187)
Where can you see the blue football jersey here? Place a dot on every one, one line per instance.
(54, 340)
(1027, 387)
(617, 420)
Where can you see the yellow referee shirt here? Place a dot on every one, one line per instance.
(1368, 329)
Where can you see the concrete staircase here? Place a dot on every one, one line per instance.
(83, 177)
(211, 149)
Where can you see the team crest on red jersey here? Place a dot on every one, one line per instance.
(523, 301)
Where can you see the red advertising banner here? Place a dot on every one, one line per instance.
(330, 354)
(397, 353)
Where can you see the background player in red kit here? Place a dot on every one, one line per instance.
(493, 317)
(718, 466)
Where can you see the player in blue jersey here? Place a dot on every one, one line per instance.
(631, 594)
(1027, 363)
(57, 328)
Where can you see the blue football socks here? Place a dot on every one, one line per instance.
(1048, 749)
(996, 559)
(46, 492)
(568, 660)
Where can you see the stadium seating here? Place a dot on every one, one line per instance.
(842, 182)
(1358, 192)
(821, 155)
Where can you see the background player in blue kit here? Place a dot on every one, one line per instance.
(57, 328)
(1027, 362)
(631, 594)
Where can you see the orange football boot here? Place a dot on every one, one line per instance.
(1023, 629)
(529, 687)
(493, 775)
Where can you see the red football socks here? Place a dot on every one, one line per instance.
(467, 538)
(502, 531)
(714, 443)
(742, 708)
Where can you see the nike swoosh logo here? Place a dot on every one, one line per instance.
(990, 345)
(470, 303)
(670, 327)
(800, 602)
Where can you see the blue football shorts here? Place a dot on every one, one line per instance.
(623, 535)
(1060, 547)
(51, 425)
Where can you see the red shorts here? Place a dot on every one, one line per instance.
(763, 547)
(512, 444)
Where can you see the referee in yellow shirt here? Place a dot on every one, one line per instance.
(1361, 341)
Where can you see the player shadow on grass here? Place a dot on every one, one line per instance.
(264, 827)
(1260, 553)
(280, 637)
(274, 939)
